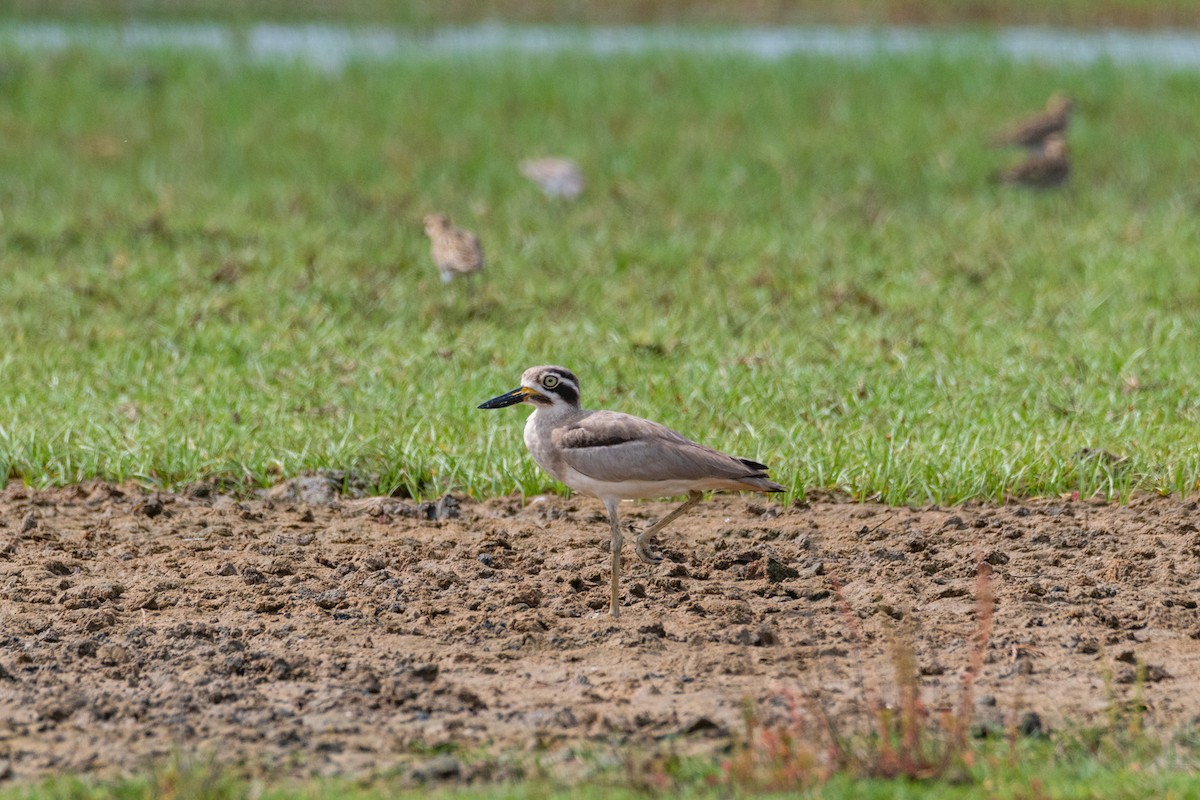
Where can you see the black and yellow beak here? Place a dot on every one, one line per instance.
(509, 398)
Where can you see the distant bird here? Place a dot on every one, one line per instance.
(616, 456)
(1045, 170)
(455, 251)
(1032, 132)
(558, 177)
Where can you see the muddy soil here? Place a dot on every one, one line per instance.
(304, 633)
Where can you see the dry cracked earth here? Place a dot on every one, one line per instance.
(301, 632)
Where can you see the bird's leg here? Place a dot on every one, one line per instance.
(646, 538)
(614, 520)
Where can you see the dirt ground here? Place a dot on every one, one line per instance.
(306, 633)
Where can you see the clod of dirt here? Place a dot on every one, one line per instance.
(702, 726)
(445, 508)
(654, 629)
(778, 572)
(91, 595)
(152, 507)
(320, 490)
(425, 672)
(1153, 674)
(760, 637)
(330, 599)
(252, 576)
(529, 596)
(1031, 725)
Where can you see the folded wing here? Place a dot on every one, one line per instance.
(609, 446)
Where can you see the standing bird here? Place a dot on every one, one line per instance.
(1032, 132)
(455, 251)
(1045, 170)
(558, 177)
(616, 457)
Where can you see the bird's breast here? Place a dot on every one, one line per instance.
(538, 438)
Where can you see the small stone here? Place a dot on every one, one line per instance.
(777, 571)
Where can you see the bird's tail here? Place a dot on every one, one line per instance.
(759, 482)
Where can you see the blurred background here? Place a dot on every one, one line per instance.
(796, 239)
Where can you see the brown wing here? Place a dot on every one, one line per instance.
(609, 446)
(1033, 131)
(468, 251)
(1039, 172)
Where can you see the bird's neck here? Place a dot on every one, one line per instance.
(552, 414)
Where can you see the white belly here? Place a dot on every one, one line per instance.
(635, 490)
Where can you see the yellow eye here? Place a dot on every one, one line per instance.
(550, 381)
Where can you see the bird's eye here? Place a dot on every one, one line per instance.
(550, 381)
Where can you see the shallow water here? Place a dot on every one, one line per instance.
(333, 46)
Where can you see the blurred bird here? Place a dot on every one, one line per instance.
(616, 456)
(1045, 170)
(558, 177)
(455, 251)
(1032, 132)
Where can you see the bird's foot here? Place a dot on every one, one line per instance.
(645, 551)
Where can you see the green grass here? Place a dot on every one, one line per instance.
(216, 269)
(1033, 769)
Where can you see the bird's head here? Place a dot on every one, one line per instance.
(543, 387)
(1060, 103)
(436, 223)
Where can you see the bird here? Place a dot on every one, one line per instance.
(1033, 131)
(455, 251)
(558, 177)
(1045, 170)
(614, 456)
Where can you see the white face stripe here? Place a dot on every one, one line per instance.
(564, 386)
